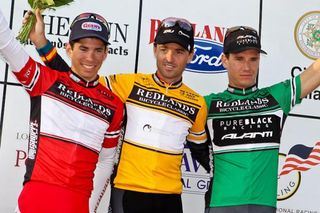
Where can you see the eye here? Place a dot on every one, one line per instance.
(179, 52)
(83, 49)
(100, 50)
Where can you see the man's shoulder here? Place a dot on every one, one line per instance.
(107, 94)
(191, 94)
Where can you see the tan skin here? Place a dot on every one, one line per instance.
(171, 61)
(87, 56)
(243, 69)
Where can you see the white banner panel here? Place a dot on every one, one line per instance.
(290, 35)
(14, 144)
(5, 8)
(298, 191)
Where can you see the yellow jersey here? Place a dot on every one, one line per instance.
(160, 118)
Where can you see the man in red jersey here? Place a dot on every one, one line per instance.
(75, 122)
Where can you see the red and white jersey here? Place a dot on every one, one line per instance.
(71, 120)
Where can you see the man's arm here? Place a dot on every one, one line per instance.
(46, 50)
(310, 78)
(10, 49)
(203, 153)
(102, 175)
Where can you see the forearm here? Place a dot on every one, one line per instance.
(102, 175)
(11, 50)
(310, 78)
(203, 154)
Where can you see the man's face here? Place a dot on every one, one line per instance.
(242, 68)
(171, 61)
(87, 56)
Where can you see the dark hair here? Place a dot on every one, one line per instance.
(72, 43)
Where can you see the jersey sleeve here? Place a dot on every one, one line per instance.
(35, 77)
(121, 85)
(287, 93)
(198, 142)
(113, 132)
(197, 132)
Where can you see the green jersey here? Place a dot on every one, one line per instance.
(245, 127)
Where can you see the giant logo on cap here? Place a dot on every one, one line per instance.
(207, 57)
(91, 26)
(307, 34)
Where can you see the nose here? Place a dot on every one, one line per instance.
(169, 56)
(90, 56)
(246, 65)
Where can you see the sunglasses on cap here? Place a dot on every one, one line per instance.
(237, 28)
(92, 16)
(171, 21)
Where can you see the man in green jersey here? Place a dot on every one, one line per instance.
(245, 125)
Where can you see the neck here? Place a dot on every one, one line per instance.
(168, 81)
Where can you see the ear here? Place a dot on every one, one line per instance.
(190, 57)
(69, 50)
(225, 61)
(106, 53)
(154, 50)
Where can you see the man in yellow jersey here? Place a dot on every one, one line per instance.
(163, 114)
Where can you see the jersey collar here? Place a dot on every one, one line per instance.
(76, 78)
(160, 82)
(244, 91)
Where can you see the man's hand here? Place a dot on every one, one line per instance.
(37, 34)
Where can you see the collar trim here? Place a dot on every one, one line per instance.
(76, 78)
(244, 91)
(162, 83)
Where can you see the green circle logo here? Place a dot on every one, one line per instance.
(307, 34)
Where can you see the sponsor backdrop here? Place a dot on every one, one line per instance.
(290, 34)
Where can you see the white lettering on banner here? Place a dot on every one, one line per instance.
(210, 60)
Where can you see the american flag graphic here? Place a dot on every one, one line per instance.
(301, 158)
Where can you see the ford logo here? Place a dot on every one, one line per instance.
(207, 57)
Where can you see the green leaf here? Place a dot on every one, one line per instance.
(30, 2)
(59, 3)
(48, 2)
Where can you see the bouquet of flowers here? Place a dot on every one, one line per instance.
(42, 5)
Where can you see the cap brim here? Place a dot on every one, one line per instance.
(89, 35)
(173, 39)
(247, 48)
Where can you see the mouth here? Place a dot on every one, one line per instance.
(169, 66)
(89, 67)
